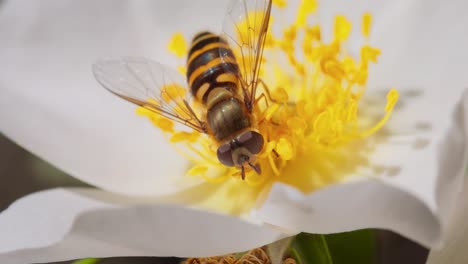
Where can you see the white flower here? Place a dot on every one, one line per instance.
(51, 105)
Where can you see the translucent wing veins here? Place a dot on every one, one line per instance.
(150, 85)
(245, 28)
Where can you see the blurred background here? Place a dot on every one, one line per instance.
(22, 173)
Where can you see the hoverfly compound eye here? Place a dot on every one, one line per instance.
(251, 140)
(225, 155)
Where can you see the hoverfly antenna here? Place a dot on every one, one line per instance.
(256, 168)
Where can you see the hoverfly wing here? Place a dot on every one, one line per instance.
(245, 28)
(151, 85)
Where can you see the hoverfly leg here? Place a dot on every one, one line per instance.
(248, 100)
(276, 153)
(201, 123)
(268, 94)
(242, 172)
(264, 97)
(256, 168)
(266, 91)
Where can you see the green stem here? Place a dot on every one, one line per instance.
(86, 261)
(327, 250)
(311, 248)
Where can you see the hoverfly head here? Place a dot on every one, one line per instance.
(242, 151)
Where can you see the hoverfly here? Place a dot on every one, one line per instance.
(222, 76)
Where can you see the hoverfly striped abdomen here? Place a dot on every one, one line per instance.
(206, 70)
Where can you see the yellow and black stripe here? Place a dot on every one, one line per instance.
(207, 69)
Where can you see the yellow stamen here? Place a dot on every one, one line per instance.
(366, 24)
(342, 28)
(306, 8)
(178, 45)
(280, 3)
(164, 124)
(284, 149)
(369, 54)
(172, 92)
(182, 69)
(280, 95)
(392, 98)
(180, 136)
(197, 170)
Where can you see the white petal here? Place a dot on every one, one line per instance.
(421, 52)
(454, 248)
(51, 105)
(66, 224)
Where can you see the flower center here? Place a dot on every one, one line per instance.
(312, 121)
